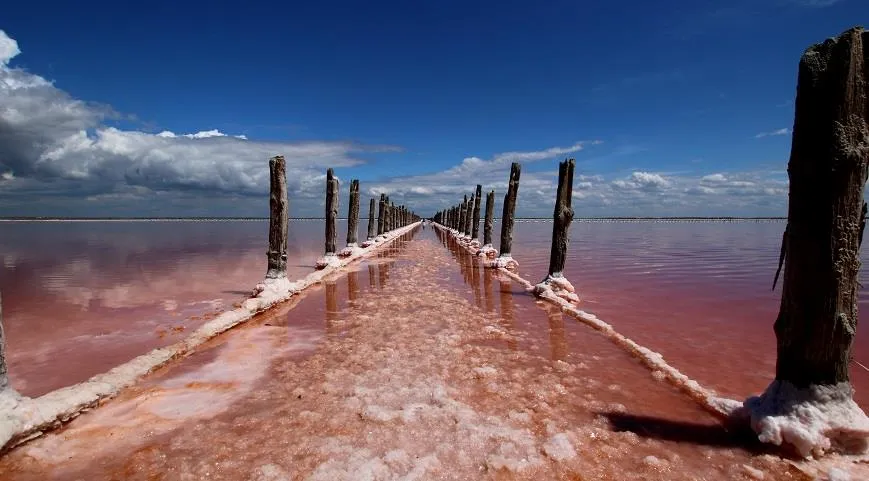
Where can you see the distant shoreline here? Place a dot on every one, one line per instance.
(256, 219)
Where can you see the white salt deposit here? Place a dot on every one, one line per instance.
(351, 249)
(836, 474)
(559, 447)
(559, 286)
(814, 420)
(328, 260)
(752, 472)
(487, 251)
(504, 262)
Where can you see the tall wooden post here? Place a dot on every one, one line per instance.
(509, 211)
(456, 218)
(388, 221)
(372, 226)
(475, 225)
(562, 218)
(353, 214)
(331, 211)
(469, 215)
(462, 213)
(489, 223)
(4, 378)
(278, 207)
(826, 213)
(381, 221)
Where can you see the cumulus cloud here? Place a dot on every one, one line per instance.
(53, 144)
(8, 48)
(642, 181)
(773, 133)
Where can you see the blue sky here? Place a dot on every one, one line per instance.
(669, 107)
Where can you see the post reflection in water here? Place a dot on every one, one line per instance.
(557, 339)
(488, 274)
(383, 273)
(352, 285)
(507, 313)
(331, 306)
(475, 279)
(372, 282)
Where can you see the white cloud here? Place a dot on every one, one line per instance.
(713, 178)
(8, 48)
(60, 146)
(773, 133)
(8, 176)
(642, 181)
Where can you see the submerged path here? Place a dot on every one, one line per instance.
(417, 365)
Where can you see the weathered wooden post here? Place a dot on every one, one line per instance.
(508, 217)
(562, 217)
(462, 212)
(372, 226)
(390, 218)
(277, 253)
(353, 214)
(817, 318)
(469, 216)
(488, 224)
(4, 377)
(456, 218)
(330, 256)
(475, 225)
(331, 211)
(381, 207)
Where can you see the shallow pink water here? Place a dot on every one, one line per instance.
(417, 365)
(699, 293)
(82, 297)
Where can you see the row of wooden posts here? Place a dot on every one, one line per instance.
(389, 217)
(465, 217)
(820, 253)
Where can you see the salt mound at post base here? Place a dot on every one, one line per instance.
(559, 286)
(814, 420)
(504, 262)
(329, 260)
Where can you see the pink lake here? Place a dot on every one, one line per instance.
(82, 297)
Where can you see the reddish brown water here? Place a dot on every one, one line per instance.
(417, 365)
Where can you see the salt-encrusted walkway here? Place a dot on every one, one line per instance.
(407, 373)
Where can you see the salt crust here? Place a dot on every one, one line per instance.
(816, 421)
(559, 286)
(23, 418)
(328, 260)
(350, 250)
(487, 251)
